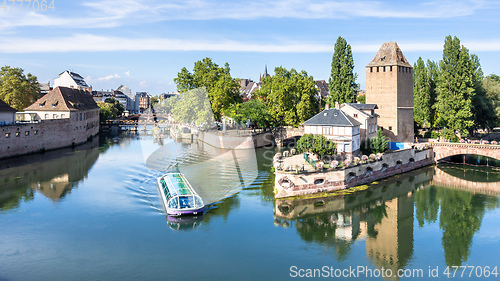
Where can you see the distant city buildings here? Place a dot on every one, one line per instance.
(71, 80)
(142, 101)
(130, 97)
(322, 87)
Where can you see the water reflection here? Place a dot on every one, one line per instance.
(383, 217)
(54, 174)
(185, 223)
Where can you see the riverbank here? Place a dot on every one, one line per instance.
(298, 182)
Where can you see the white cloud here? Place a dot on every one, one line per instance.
(143, 83)
(109, 77)
(128, 74)
(95, 43)
(114, 13)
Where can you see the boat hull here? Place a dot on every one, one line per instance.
(180, 212)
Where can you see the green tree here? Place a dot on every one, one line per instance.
(222, 89)
(193, 107)
(379, 144)
(484, 107)
(456, 87)
(423, 97)
(491, 87)
(16, 89)
(342, 82)
(290, 96)
(361, 98)
(110, 109)
(253, 110)
(154, 100)
(316, 144)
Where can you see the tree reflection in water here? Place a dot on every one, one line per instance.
(384, 217)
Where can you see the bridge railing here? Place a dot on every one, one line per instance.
(465, 145)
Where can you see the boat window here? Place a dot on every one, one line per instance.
(173, 203)
(198, 202)
(186, 202)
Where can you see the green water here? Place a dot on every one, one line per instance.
(93, 213)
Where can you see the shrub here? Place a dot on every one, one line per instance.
(347, 163)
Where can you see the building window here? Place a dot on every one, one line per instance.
(377, 68)
(46, 116)
(390, 68)
(63, 116)
(390, 128)
(18, 134)
(35, 132)
(371, 69)
(54, 116)
(76, 117)
(355, 115)
(7, 135)
(383, 68)
(27, 133)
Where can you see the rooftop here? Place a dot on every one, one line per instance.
(4, 107)
(332, 117)
(389, 54)
(64, 99)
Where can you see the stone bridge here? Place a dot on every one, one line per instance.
(283, 134)
(442, 178)
(445, 149)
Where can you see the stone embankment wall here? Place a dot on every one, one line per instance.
(29, 138)
(236, 142)
(289, 184)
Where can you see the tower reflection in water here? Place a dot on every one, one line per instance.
(384, 215)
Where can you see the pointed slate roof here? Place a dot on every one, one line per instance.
(332, 117)
(389, 54)
(4, 107)
(64, 99)
(363, 106)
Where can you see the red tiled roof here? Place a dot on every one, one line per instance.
(64, 99)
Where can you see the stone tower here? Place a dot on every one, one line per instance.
(389, 84)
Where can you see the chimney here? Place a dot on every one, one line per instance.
(337, 106)
(327, 106)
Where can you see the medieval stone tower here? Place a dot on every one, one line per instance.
(389, 84)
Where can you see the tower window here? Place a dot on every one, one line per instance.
(371, 69)
(390, 68)
(390, 128)
(383, 69)
(377, 68)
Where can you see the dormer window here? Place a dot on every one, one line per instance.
(42, 103)
(55, 104)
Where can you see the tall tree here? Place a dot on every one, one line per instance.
(491, 86)
(422, 96)
(342, 82)
(483, 109)
(289, 95)
(456, 87)
(16, 89)
(433, 72)
(222, 89)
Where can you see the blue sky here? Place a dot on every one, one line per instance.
(143, 44)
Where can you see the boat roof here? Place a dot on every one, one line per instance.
(177, 184)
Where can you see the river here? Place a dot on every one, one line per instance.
(93, 213)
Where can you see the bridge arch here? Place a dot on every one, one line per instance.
(444, 150)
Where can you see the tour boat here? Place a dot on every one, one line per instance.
(178, 196)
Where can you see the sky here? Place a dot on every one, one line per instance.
(144, 44)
